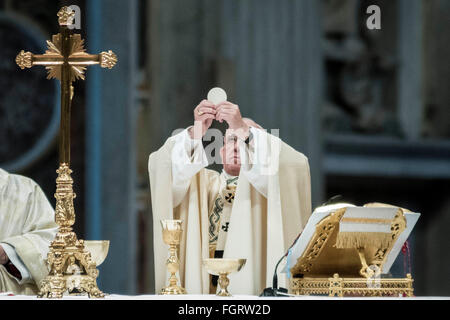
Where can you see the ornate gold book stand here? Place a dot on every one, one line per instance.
(345, 251)
(72, 268)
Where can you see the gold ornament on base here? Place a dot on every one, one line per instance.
(72, 267)
(172, 232)
(222, 268)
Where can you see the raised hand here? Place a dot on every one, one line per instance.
(204, 114)
(232, 115)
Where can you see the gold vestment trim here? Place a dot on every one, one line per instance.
(363, 239)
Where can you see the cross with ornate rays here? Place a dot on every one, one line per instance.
(66, 60)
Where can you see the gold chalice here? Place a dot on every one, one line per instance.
(172, 232)
(222, 268)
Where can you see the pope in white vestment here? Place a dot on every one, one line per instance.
(27, 227)
(253, 209)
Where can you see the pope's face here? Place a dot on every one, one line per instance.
(230, 154)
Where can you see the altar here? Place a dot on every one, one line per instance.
(211, 297)
(214, 307)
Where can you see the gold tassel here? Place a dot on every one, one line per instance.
(363, 239)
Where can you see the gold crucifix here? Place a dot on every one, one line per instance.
(66, 60)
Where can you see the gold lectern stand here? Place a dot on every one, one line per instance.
(71, 265)
(335, 260)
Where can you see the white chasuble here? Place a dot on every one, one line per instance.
(271, 205)
(27, 228)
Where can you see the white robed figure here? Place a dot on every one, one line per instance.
(253, 209)
(27, 227)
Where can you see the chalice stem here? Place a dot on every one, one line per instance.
(173, 265)
(173, 280)
(224, 282)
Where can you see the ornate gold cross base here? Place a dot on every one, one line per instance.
(72, 270)
(353, 287)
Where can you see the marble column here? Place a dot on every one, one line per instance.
(409, 79)
(110, 138)
(274, 48)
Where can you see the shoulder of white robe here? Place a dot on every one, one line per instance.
(292, 157)
(282, 145)
(165, 148)
(3, 177)
(20, 184)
